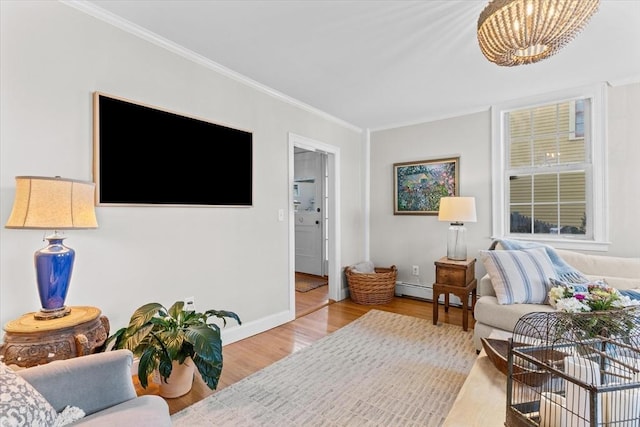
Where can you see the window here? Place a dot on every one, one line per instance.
(576, 118)
(549, 183)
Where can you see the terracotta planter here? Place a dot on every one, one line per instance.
(180, 380)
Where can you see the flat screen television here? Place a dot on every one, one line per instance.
(152, 157)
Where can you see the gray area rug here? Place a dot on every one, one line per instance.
(383, 369)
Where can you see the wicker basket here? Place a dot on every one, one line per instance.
(372, 288)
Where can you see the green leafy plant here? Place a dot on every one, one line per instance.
(159, 336)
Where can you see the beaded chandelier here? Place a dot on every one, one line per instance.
(515, 32)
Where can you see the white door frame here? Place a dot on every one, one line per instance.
(333, 255)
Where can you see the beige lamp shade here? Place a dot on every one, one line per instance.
(457, 209)
(53, 203)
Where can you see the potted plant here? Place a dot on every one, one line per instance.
(170, 340)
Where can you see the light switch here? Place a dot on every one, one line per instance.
(280, 214)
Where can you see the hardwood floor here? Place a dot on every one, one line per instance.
(307, 302)
(247, 356)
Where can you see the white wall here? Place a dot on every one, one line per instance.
(406, 240)
(624, 169)
(53, 58)
(420, 240)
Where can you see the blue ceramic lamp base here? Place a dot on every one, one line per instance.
(54, 265)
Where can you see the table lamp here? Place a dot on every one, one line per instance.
(457, 210)
(53, 203)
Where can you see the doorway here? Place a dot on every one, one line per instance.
(313, 218)
(309, 207)
(310, 218)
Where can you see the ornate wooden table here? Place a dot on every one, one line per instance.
(29, 342)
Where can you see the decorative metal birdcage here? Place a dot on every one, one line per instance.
(575, 370)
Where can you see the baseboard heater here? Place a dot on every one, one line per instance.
(424, 292)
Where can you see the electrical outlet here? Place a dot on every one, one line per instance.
(415, 270)
(190, 304)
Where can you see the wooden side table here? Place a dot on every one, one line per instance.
(29, 342)
(458, 278)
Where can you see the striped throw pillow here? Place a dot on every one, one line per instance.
(519, 276)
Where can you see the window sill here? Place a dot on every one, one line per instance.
(568, 244)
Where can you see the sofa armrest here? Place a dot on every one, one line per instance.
(92, 382)
(485, 287)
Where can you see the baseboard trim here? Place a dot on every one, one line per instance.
(424, 292)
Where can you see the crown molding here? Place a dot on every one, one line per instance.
(123, 24)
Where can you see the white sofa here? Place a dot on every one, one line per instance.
(100, 384)
(620, 273)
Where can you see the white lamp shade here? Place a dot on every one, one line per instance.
(53, 204)
(457, 209)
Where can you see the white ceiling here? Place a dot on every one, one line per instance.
(379, 64)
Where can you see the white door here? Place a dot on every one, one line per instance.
(308, 243)
(333, 269)
(308, 202)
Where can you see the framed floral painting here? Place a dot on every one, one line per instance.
(418, 186)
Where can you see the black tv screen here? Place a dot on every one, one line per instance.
(148, 156)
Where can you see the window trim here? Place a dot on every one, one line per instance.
(598, 155)
(572, 122)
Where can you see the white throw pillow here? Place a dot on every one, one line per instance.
(21, 404)
(68, 415)
(519, 276)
